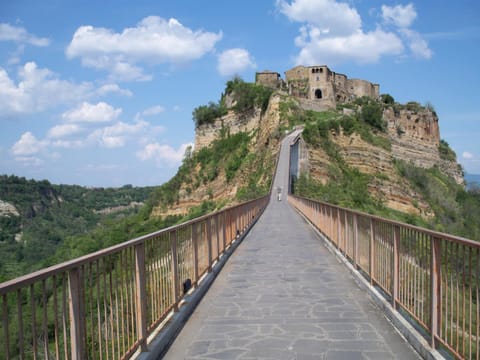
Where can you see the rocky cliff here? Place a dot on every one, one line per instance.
(410, 134)
(263, 129)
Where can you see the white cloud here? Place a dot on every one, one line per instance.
(399, 15)
(418, 46)
(89, 113)
(28, 145)
(20, 35)
(329, 16)
(154, 110)
(234, 61)
(153, 41)
(359, 47)
(30, 161)
(118, 134)
(69, 144)
(63, 130)
(113, 88)
(467, 155)
(163, 154)
(332, 32)
(37, 90)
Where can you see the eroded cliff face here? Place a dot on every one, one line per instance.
(265, 139)
(415, 137)
(386, 184)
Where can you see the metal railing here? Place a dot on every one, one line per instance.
(433, 277)
(106, 304)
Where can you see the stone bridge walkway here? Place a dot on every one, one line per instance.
(283, 295)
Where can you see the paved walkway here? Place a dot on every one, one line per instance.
(282, 295)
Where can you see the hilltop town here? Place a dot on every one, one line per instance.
(317, 87)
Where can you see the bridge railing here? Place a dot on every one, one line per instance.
(433, 277)
(106, 304)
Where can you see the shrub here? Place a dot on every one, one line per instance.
(247, 96)
(206, 114)
(388, 99)
(446, 151)
(372, 114)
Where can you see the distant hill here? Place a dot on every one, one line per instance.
(36, 217)
(472, 179)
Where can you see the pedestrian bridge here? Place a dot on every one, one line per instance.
(299, 279)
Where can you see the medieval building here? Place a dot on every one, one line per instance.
(317, 87)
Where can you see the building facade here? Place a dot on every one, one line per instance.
(318, 86)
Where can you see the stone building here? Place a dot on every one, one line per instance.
(269, 79)
(319, 88)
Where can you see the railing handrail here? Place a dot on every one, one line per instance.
(432, 276)
(110, 301)
(41, 274)
(426, 231)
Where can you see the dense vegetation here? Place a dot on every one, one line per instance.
(49, 214)
(244, 96)
(455, 208)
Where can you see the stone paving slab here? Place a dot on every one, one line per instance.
(282, 295)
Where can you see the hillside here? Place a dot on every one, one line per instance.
(370, 154)
(36, 217)
(236, 145)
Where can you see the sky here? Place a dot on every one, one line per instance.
(101, 93)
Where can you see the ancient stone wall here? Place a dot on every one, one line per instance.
(320, 84)
(232, 123)
(269, 79)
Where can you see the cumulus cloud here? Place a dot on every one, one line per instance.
(467, 155)
(417, 44)
(112, 88)
(360, 47)
(329, 16)
(332, 32)
(154, 110)
(399, 15)
(20, 35)
(28, 145)
(90, 113)
(163, 154)
(118, 134)
(234, 61)
(37, 90)
(63, 130)
(153, 40)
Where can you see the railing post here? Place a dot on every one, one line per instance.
(395, 263)
(209, 243)
(345, 234)
(141, 294)
(372, 250)
(339, 224)
(355, 241)
(435, 273)
(195, 252)
(217, 236)
(77, 314)
(224, 231)
(175, 281)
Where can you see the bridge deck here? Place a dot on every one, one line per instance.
(282, 295)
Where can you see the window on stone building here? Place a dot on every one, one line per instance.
(318, 94)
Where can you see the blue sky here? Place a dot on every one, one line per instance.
(100, 93)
